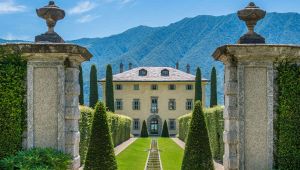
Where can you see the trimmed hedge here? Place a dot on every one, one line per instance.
(12, 102)
(144, 130)
(165, 131)
(215, 125)
(120, 127)
(37, 159)
(287, 152)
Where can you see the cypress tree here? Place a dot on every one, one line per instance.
(144, 131)
(100, 153)
(197, 154)
(213, 88)
(165, 131)
(93, 86)
(81, 96)
(198, 85)
(109, 89)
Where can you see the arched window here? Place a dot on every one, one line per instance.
(165, 72)
(142, 72)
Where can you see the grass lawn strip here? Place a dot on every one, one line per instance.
(134, 157)
(171, 154)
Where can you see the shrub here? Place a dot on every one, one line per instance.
(165, 131)
(213, 88)
(197, 154)
(93, 86)
(37, 159)
(215, 126)
(100, 153)
(109, 90)
(198, 85)
(120, 127)
(287, 155)
(85, 126)
(12, 102)
(144, 131)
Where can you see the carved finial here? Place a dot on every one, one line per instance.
(251, 14)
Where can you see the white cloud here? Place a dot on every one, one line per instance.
(82, 7)
(9, 6)
(119, 1)
(87, 18)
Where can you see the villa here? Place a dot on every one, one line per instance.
(154, 94)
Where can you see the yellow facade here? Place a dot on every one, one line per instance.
(127, 94)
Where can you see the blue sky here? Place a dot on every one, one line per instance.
(100, 18)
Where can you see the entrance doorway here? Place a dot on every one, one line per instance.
(154, 126)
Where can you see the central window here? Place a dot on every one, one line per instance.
(136, 87)
(119, 87)
(119, 104)
(172, 123)
(165, 72)
(142, 72)
(154, 105)
(154, 87)
(172, 87)
(136, 124)
(136, 104)
(172, 104)
(189, 104)
(189, 87)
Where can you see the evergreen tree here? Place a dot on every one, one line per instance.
(213, 88)
(100, 153)
(109, 89)
(165, 131)
(93, 87)
(198, 85)
(81, 96)
(197, 154)
(144, 131)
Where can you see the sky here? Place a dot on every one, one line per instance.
(102, 18)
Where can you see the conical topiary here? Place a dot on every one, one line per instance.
(100, 153)
(144, 131)
(165, 131)
(213, 88)
(197, 154)
(109, 90)
(93, 86)
(198, 85)
(81, 96)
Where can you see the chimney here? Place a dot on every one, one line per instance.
(130, 66)
(177, 65)
(121, 67)
(188, 68)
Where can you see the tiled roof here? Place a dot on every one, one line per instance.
(153, 74)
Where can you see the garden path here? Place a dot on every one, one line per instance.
(182, 145)
(118, 149)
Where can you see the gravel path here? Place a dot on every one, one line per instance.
(124, 145)
(182, 145)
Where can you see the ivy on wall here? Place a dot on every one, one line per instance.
(287, 152)
(12, 102)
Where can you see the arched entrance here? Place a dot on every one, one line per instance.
(154, 125)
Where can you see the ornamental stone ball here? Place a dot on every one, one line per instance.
(251, 14)
(51, 13)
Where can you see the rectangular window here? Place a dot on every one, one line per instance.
(172, 87)
(136, 104)
(154, 105)
(136, 87)
(172, 123)
(119, 87)
(189, 104)
(189, 87)
(136, 124)
(172, 104)
(119, 104)
(154, 87)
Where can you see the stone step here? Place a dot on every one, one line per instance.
(153, 162)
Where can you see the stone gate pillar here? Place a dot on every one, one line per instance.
(250, 96)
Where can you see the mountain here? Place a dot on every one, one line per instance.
(189, 41)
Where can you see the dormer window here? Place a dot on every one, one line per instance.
(142, 72)
(165, 72)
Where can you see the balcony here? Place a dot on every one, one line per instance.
(154, 110)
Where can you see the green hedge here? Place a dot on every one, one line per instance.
(215, 126)
(37, 159)
(120, 127)
(12, 102)
(287, 155)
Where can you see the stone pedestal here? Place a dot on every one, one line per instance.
(250, 102)
(52, 96)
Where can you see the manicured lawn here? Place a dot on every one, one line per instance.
(171, 154)
(134, 157)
